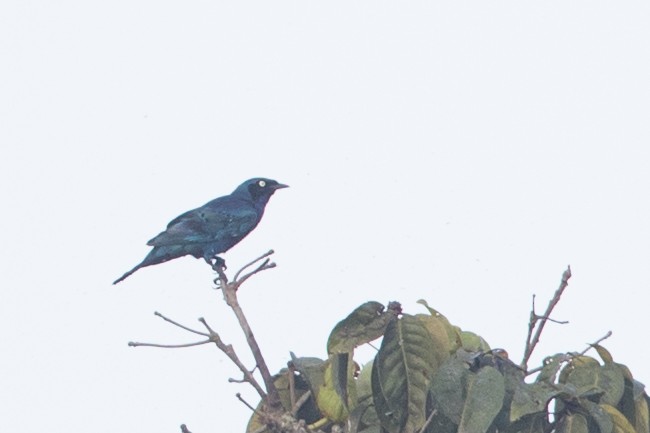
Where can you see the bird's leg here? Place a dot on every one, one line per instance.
(219, 263)
(219, 266)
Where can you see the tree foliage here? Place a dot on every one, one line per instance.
(431, 376)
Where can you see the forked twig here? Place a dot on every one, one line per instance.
(229, 289)
(569, 356)
(537, 322)
(213, 337)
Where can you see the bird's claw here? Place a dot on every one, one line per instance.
(219, 263)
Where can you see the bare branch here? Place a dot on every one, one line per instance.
(248, 265)
(428, 421)
(167, 319)
(240, 398)
(597, 342)
(230, 295)
(230, 353)
(302, 400)
(264, 266)
(292, 384)
(168, 346)
(531, 343)
(569, 356)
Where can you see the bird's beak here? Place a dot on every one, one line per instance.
(280, 186)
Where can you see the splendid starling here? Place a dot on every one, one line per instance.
(213, 228)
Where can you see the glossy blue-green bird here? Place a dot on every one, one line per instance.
(213, 228)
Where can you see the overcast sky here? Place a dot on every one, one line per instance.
(460, 152)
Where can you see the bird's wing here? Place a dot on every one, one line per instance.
(216, 221)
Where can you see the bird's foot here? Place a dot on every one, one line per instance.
(219, 263)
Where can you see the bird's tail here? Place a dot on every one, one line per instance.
(158, 255)
(123, 277)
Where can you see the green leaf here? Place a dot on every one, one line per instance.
(590, 378)
(390, 420)
(342, 374)
(603, 353)
(354, 422)
(574, 423)
(364, 386)
(642, 416)
(473, 342)
(439, 331)
(312, 371)
(621, 424)
(332, 401)
(401, 374)
(599, 415)
(584, 373)
(485, 392)
(453, 332)
(448, 387)
(364, 324)
(532, 398)
(529, 424)
(612, 381)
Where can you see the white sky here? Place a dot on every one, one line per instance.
(461, 152)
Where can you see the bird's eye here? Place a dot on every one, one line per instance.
(261, 183)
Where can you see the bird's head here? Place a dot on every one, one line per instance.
(258, 189)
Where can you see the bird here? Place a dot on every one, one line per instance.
(213, 228)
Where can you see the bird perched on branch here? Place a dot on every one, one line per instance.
(213, 228)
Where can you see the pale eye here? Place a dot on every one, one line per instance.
(261, 183)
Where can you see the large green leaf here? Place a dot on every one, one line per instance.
(448, 387)
(583, 372)
(612, 382)
(401, 374)
(366, 323)
(332, 401)
(591, 379)
(485, 392)
(453, 332)
(439, 331)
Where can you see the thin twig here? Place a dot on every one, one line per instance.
(167, 319)
(568, 357)
(531, 343)
(248, 265)
(264, 266)
(230, 295)
(292, 384)
(230, 353)
(531, 324)
(168, 346)
(428, 421)
(240, 398)
(301, 401)
(597, 342)
(559, 322)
